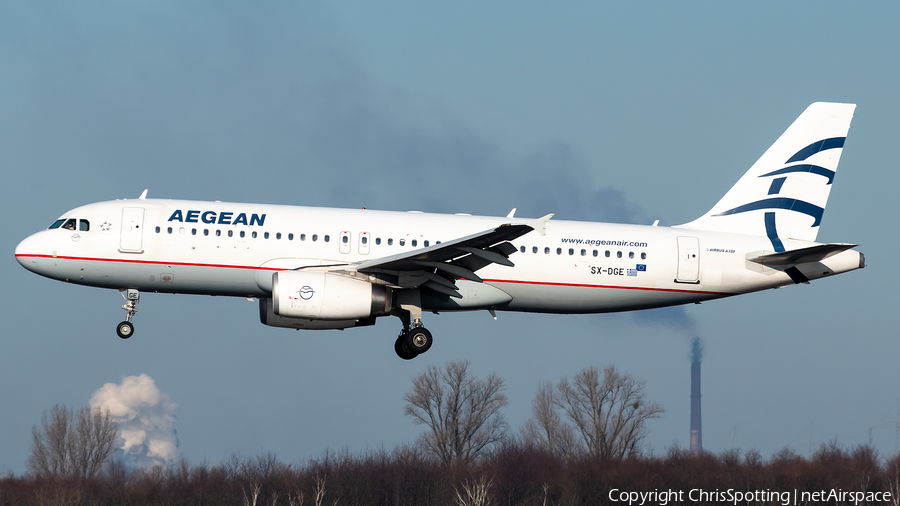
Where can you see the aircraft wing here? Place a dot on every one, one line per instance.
(438, 266)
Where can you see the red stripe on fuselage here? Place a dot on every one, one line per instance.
(550, 283)
(153, 262)
(224, 266)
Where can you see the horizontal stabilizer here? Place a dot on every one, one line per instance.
(803, 255)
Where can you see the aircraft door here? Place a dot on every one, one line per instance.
(364, 240)
(345, 242)
(131, 233)
(688, 260)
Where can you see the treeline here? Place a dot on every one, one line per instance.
(513, 473)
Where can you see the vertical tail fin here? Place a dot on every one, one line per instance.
(784, 193)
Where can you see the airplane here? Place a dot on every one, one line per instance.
(321, 268)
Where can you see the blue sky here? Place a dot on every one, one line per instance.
(607, 112)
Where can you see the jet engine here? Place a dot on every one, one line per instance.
(268, 317)
(318, 295)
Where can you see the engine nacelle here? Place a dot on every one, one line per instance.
(268, 317)
(319, 295)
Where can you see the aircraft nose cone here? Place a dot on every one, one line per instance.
(26, 250)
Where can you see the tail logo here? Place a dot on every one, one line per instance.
(800, 206)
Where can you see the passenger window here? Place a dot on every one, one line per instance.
(559, 251)
(253, 234)
(231, 233)
(290, 237)
(426, 244)
(390, 242)
(365, 240)
(84, 225)
(193, 231)
(571, 251)
(69, 224)
(157, 230)
(315, 237)
(595, 252)
(346, 239)
(522, 249)
(631, 254)
(583, 252)
(169, 230)
(266, 235)
(378, 240)
(327, 238)
(302, 237)
(277, 235)
(181, 230)
(607, 253)
(58, 223)
(643, 256)
(546, 251)
(534, 249)
(218, 233)
(618, 254)
(415, 243)
(402, 242)
(242, 233)
(205, 231)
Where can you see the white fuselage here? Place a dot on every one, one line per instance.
(576, 267)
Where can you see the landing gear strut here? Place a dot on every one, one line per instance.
(132, 297)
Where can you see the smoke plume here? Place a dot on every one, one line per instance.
(146, 419)
(675, 318)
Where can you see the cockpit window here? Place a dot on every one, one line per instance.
(69, 224)
(57, 223)
(84, 225)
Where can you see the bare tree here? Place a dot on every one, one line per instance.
(546, 429)
(611, 414)
(476, 493)
(71, 443)
(608, 415)
(461, 411)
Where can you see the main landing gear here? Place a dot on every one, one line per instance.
(414, 341)
(126, 328)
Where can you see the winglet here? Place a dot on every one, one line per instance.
(540, 225)
(512, 214)
(143, 195)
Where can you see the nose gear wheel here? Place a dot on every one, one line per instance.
(125, 329)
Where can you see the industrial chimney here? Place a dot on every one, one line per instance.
(696, 434)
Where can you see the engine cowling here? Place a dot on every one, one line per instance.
(319, 295)
(268, 317)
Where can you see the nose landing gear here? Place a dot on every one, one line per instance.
(125, 329)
